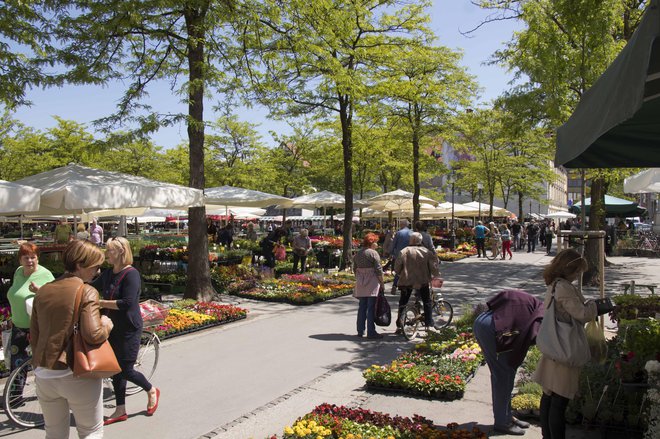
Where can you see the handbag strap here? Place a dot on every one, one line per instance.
(76, 307)
(116, 285)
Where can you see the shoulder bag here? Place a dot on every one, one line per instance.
(562, 342)
(382, 311)
(90, 361)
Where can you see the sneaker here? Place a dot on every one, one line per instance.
(375, 336)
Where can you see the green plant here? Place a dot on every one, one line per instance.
(530, 388)
(470, 314)
(631, 306)
(529, 364)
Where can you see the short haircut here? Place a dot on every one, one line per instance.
(81, 227)
(415, 238)
(567, 263)
(369, 239)
(404, 223)
(28, 249)
(123, 247)
(83, 254)
(304, 232)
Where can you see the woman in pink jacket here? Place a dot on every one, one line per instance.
(368, 282)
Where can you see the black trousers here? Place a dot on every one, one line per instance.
(127, 374)
(425, 292)
(553, 416)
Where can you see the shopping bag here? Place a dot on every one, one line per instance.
(382, 311)
(597, 342)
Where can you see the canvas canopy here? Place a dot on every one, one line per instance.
(75, 189)
(613, 207)
(239, 197)
(485, 209)
(17, 198)
(322, 199)
(644, 182)
(397, 201)
(617, 122)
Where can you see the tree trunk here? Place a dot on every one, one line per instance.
(416, 188)
(596, 222)
(346, 118)
(198, 285)
(521, 215)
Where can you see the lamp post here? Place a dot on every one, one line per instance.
(452, 180)
(480, 187)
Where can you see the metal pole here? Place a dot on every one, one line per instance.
(453, 226)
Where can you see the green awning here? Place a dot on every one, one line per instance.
(613, 207)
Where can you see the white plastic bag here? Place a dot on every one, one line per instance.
(6, 344)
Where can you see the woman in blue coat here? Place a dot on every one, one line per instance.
(120, 291)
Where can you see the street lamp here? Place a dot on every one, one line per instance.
(480, 187)
(452, 180)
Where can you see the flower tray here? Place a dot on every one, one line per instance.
(199, 328)
(444, 396)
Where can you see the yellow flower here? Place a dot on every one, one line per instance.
(288, 430)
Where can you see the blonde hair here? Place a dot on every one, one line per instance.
(83, 254)
(566, 264)
(121, 244)
(81, 227)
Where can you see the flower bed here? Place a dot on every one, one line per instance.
(331, 421)
(295, 289)
(451, 256)
(188, 315)
(438, 368)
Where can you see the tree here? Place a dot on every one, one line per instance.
(423, 86)
(481, 133)
(565, 48)
(143, 42)
(317, 57)
(232, 151)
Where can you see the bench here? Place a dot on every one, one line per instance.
(632, 285)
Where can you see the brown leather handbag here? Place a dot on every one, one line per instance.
(90, 361)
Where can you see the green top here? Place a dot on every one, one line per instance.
(19, 292)
(62, 233)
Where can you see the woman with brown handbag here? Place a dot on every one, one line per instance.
(50, 334)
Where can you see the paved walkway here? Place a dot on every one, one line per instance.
(251, 378)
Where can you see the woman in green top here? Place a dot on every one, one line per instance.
(27, 280)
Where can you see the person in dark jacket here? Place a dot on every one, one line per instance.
(267, 245)
(505, 332)
(120, 292)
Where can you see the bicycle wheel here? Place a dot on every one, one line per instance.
(443, 313)
(490, 254)
(147, 359)
(21, 405)
(410, 321)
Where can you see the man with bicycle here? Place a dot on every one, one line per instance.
(416, 265)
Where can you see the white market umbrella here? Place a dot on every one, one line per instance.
(18, 198)
(444, 210)
(644, 182)
(485, 208)
(560, 215)
(239, 212)
(322, 199)
(74, 189)
(226, 196)
(397, 201)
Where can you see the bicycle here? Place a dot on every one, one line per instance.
(413, 313)
(24, 410)
(494, 249)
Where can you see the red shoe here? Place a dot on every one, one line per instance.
(152, 410)
(121, 418)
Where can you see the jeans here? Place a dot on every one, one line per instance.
(548, 243)
(425, 292)
(481, 246)
(366, 315)
(531, 244)
(502, 375)
(516, 242)
(553, 416)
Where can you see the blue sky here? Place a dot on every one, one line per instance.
(449, 18)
